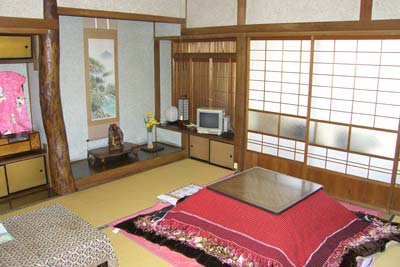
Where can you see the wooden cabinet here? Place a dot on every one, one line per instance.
(3, 182)
(221, 154)
(26, 174)
(22, 172)
(215, 152)
(199, 148)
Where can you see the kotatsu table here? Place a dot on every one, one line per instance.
(272, 191)
(54, 236)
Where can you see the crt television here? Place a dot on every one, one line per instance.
(210, 121)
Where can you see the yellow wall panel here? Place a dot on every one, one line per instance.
(3, 184)
(26, 174)
(15, 47)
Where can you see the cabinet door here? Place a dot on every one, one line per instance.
(199, 148)
(221, 154)
(26, 174)
(3, 183)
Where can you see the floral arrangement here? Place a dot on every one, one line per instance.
(149, 121)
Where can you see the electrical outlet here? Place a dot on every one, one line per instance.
(235, 165)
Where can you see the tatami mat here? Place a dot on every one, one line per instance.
(105, 203)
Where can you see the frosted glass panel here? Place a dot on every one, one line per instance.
(327, 134)
(373, 142)
(263, 122)
(293, 127)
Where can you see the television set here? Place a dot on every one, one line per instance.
(210, 121)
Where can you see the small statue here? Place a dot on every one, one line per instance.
(115, 138)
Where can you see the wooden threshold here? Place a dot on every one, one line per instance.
(12, 25)
(78, 12)
(150, 161)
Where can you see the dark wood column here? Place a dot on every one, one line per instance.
(240, 105)
(50, 102)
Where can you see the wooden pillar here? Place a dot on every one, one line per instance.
(241, 12)
(157, 88)
(50, 102)
(366, 10)
(240, 106)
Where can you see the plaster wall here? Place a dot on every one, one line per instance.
(167, 29)
(166, 136)
(386, 9)
(136, 82)
(22, 8)
(207, 13)
(170, 8)
(34, 8)
(282, 11)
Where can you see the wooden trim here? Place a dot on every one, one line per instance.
(27, 25)
(366, 10)
(78, 12)
(391, 198)
(299, 28)
(336, 184)
(129, 169)
(157, 93)
(205, 55)
(241, 12)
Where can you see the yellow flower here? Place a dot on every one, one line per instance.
(153, 121)
(149, 115)
(148, 125)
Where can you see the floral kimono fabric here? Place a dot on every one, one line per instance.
(13, 112)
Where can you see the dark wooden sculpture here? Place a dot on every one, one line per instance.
(115, 138)
(62, 181)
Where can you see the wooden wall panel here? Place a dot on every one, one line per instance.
(395, 204)
(339, 185)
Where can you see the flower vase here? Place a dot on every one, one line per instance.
(150, 140)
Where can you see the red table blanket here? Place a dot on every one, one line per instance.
(221, 231)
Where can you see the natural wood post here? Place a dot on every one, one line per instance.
(50, 102)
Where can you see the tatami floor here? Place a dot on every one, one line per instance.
(105, 203)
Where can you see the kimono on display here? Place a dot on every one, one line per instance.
(14, 116)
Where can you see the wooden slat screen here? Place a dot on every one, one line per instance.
(205, 71)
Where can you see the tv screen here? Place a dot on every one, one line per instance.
(209, 120)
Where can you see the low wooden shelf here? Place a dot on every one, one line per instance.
(103, 154)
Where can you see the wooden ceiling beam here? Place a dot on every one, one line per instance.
(12, 25)
(77, 12)
(342, 26)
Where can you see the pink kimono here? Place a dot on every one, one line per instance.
(13, 113)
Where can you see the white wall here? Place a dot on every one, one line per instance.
(136, 77)
(22, 8)
(37, 122)
(34, 8)
(167, 29)
(166, 136)
(386, 9)
(72, 85)
(207, 13)
(136, 82)
(281, 11)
